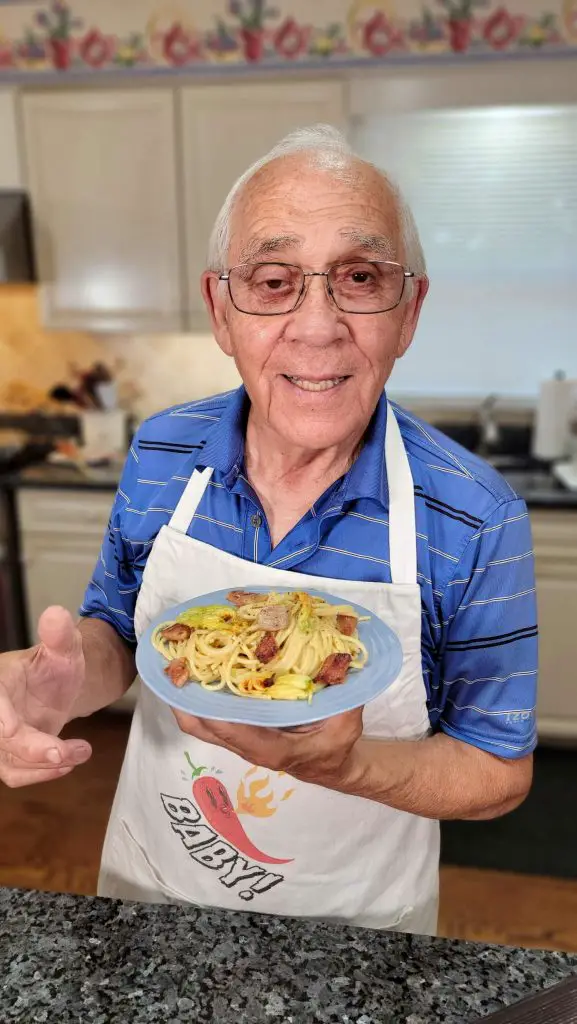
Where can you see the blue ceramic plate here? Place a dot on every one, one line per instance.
(383, 667)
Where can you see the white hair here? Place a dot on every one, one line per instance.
(331, 151)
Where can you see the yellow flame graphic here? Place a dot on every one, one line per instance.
(257, 797)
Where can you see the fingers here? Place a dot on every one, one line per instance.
(194, 726)
(302, 730)
(58, 632)
(9, 720)
(32, 747)
(31, 756)
(223, 733)
(30, 776)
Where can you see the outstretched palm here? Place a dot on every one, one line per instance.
(45, 685)
(38, 689)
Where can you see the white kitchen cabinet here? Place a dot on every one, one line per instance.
(225, 128)
(555, 542)
(61, 536)
(56, 572)
(10, 174)
(101, 167)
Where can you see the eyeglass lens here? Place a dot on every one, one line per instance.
(356, 287)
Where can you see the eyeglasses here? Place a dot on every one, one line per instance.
(357, 286)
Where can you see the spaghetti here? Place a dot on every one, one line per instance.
(269, 646)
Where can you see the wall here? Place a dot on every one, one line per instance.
(97, 37)
(10, 175)
(154, 371)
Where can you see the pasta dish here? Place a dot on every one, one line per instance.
(265, 645)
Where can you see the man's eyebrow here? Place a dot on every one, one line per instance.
(378, 245)
(269, 246)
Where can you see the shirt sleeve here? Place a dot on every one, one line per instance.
(113, 589)
(487, 686)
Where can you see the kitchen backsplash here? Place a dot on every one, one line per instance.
(154, 370)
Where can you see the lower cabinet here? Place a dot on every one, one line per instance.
(555, 543)
(61, 535)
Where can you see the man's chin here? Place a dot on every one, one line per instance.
(313, 433)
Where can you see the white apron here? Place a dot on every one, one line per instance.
(211, 829)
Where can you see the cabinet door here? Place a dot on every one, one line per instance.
(101, 167)
(61, 536)
(225, 129)
(56, 571)
(555, 541)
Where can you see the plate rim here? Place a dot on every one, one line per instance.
(300, 706)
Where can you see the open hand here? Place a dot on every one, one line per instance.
(321, 753)
(38, 688)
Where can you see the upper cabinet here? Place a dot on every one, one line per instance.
(102, 173)
(126, 183)
(10, 175)
(225, 128)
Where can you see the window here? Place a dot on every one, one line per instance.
(494, 193)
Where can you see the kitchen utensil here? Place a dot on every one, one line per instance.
(566, 473)
(103, 432)
(552, 421)
(383, 667)
(62, 393)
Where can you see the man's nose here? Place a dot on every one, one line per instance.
(316, 319)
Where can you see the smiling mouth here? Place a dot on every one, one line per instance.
(315, 385)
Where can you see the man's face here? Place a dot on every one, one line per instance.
(295, 212)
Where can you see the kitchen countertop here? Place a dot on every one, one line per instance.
(70, 959)
(53, 475)
(538, 490)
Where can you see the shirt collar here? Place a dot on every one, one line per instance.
(367, 478)
(224, 448)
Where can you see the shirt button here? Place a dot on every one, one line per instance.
(256, 520)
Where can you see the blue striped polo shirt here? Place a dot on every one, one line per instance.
(475, 559)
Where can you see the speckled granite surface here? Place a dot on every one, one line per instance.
(72, 960)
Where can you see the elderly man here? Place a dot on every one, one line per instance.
(307, 476)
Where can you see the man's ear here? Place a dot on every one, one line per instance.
(214, 295)
(411, 314)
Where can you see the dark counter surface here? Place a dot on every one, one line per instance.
(67, 959)
(52, 475)
(539, 489)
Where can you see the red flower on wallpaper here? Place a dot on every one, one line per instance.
(6, 56)
(96, 49)
(179, 46)
(380, 36)
(502, 29)
(291, 39)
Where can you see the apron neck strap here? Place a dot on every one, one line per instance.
(402, 521)
(190, 500)
(402, 524)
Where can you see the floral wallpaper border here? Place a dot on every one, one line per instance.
(61, 36)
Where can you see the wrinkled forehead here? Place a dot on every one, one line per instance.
(299, 203)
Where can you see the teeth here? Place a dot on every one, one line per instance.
(311, 385)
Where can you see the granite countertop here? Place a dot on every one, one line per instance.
(78, 960)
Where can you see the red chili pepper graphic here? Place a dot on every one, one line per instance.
(215, 804)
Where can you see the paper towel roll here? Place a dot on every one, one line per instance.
(551, 432)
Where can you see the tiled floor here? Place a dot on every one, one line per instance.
(51, 837)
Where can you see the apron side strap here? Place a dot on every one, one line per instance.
(190, 500)
(402, 517)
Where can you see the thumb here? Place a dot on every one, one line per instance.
(58, 632)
